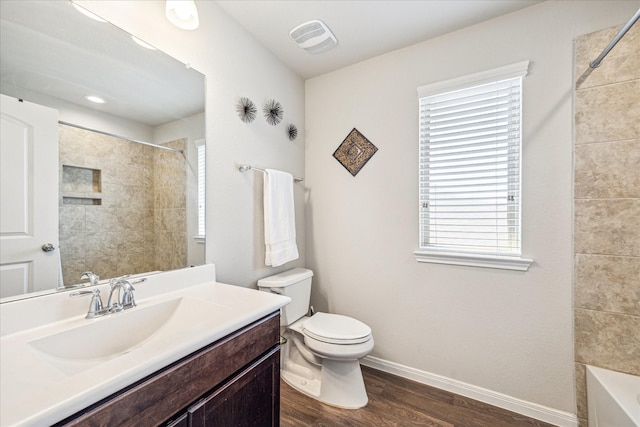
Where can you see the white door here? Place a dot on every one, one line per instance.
(28, 197)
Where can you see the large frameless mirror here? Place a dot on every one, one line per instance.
(114, 187)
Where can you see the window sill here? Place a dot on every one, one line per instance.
(474, 260)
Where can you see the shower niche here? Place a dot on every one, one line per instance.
(81, 186)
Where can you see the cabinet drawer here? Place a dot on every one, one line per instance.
(156, 398)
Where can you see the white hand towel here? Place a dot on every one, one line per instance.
(279, 218)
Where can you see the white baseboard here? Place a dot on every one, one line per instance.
(529, 409)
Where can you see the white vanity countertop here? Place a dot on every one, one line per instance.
(38, 388)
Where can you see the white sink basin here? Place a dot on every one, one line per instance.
(74, 350)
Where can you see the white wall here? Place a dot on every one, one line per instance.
(508, 332)
(235, 65)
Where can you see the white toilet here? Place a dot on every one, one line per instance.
(321, 352)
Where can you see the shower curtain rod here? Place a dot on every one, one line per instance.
(596, 62)
(151, 144)
(244, 168)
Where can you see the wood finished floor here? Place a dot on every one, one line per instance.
(398, 402)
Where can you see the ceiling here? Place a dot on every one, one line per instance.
(364, 28)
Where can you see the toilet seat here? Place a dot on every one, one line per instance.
(336, 329)
(337, 351)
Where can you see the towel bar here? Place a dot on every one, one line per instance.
(244, 168)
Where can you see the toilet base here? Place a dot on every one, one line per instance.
(336, 383)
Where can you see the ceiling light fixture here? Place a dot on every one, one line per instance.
(143, 44)
(95, 99)
(88, 14)
(313, 36)
(183, 14)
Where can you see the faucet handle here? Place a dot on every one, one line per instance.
(96, 308)
(128, 300)
(135, 282)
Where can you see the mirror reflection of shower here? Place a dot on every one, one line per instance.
(122, 205)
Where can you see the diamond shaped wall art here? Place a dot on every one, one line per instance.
(354, 152)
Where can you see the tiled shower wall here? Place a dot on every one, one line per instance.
(131, 217)
(607, 207)
(169, 207)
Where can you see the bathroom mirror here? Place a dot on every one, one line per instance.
(130, 181)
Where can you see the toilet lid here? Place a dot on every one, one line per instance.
(336, 329)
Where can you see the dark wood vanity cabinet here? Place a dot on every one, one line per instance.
(234, 381)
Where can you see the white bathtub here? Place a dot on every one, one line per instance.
(613, 398)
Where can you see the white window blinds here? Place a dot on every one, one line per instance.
(201, 188)
(470, 146)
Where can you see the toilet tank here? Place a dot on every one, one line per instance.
(295, 284)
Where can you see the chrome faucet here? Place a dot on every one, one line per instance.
(119, 287)
(93, 278)
(123, 300)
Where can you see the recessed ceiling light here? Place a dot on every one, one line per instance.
(95, 99)
(86, 13)
(182, 13)
(143, 44)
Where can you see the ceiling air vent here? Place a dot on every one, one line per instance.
(313, 36)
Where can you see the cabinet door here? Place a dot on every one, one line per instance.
(252, 398)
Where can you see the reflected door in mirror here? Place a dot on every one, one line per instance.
(29, 209)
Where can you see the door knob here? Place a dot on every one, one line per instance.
(48, 247)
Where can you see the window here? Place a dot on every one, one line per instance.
(470, 155)
(201, 188)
